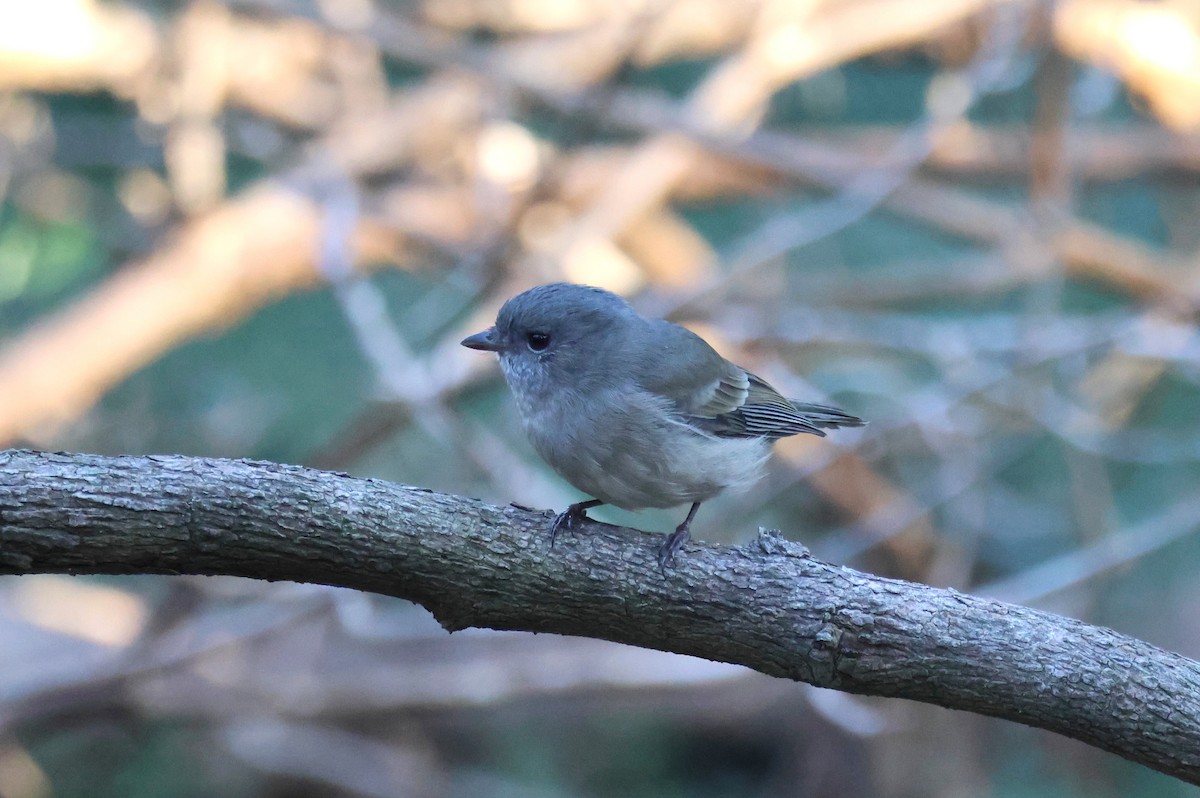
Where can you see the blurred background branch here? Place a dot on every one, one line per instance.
(258, 228)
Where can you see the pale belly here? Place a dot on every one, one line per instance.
(631, 460)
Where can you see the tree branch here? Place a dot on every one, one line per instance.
(766, 605)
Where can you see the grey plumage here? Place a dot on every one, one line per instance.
(637, 412)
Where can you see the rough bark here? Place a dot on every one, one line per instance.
(766, 605)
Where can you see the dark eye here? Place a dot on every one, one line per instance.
(538, 341)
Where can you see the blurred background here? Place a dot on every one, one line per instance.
(259, 228)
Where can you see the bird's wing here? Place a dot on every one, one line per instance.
(718, 397)
(688, 372)
(767, 414)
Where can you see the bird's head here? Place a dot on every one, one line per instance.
(556, 334)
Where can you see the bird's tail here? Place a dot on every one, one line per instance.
(826, 417)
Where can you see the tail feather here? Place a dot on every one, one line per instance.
(827, 417)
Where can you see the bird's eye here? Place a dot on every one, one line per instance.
(538, 341)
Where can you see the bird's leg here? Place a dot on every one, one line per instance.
(675, 540)
(570, 516)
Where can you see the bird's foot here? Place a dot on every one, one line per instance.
(568, 518)
(673, 543)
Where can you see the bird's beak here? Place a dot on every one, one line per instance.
(485, 341)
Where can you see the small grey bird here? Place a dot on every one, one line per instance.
(637, 412)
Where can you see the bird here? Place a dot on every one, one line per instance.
(637, 412)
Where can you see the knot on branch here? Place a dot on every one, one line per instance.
(825, 655)
(772, 541)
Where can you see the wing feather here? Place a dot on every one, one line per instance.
(734, 403)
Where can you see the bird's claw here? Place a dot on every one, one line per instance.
(673, 543)
(567, 519)
(563, 520)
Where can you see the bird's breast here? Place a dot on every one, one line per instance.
(629, 448)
